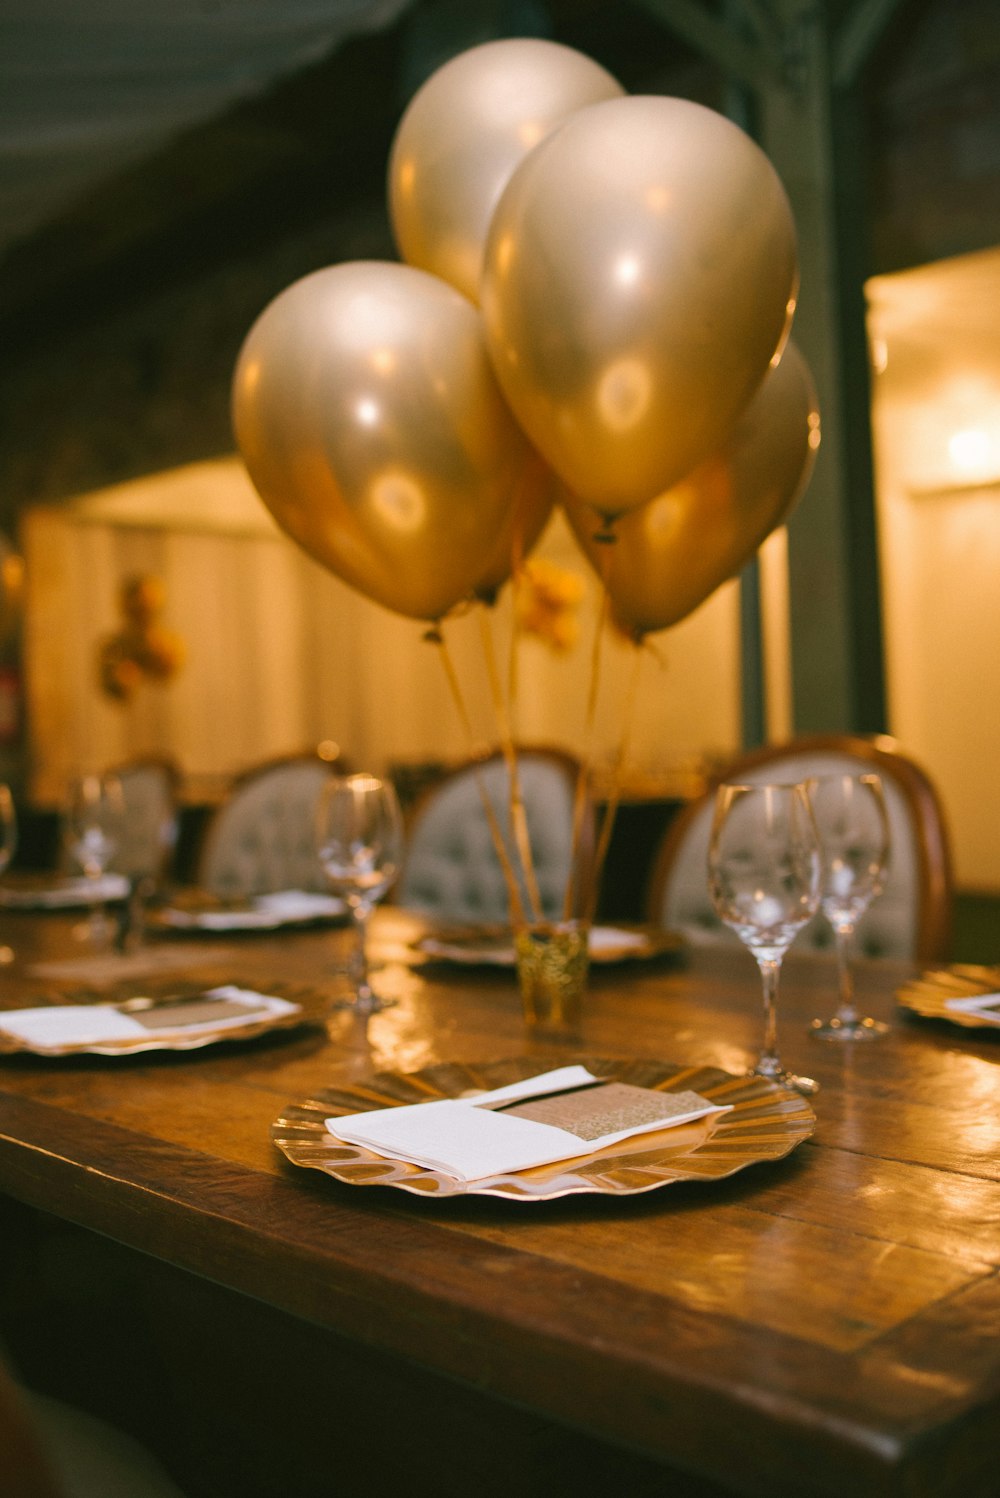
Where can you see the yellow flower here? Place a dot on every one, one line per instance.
(548, 601)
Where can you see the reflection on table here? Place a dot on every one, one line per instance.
(817, 1325)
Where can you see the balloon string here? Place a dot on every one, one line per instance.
(518, 811)
(614, 793)
(436, 636)
(579, 889)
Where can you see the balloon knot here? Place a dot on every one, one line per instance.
(433, 636)
(605, 537)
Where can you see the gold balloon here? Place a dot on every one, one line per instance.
(667, 557)
(369, 420)
(639, 276)
(462, 135)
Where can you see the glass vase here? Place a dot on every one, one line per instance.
(553, 960)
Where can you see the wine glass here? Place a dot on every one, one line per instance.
(8, 844)
(764, 879)
(854, 836)
(359, 838)
(92, 826)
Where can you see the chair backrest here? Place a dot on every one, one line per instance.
(911, 917)
(150, 790)
(262, 837)
(451, 869)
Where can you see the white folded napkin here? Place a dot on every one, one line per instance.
(60, 1025)
(266, 911)
(607, 939)
(470, 1141)
(986, 1006)
(66, 894)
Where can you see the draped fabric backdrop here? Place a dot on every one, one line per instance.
(280, 655)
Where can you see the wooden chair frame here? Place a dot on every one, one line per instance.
(882, 755)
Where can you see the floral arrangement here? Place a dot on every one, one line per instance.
(142, 649)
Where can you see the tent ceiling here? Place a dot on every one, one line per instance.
(88, 87)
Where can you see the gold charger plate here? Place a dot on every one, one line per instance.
(11, 1045)
(766, 1123)
(493, 946)
(927, 995)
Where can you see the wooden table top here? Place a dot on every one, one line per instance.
(828, 1322)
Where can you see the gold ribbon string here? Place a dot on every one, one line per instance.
(435, 636)
(518, 811)
(586, 894)
(614, 794)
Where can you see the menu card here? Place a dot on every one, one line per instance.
(557, 1115)
(985, 1006)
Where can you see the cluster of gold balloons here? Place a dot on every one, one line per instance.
(593, 311)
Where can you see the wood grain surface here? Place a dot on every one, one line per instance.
(822, 1324)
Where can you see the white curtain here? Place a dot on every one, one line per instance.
(280, 655)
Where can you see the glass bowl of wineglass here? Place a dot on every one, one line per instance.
(853, 827)
(92, 827)
(359, 839)
(764, 880)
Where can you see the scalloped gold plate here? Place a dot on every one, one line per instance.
(927, 995)
(11, 1045)
(766, 1122)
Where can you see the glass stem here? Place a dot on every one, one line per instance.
(769, 1065)
(360, 912)
(847, 1012)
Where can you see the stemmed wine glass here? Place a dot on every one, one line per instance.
(854, 835)
(359, 838)
(93, 825)
(8, 844)
(764, 879)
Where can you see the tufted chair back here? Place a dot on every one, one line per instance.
(262, 837)
(150, 789)
(910, 918)
(451, 869)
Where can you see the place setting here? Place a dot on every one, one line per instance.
(171, 1020)
(195, 912)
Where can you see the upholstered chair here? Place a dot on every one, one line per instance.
(150, 790)
(451, 870)
(912, 917)
(262, 837)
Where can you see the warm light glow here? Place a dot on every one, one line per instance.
(406, 176)
(384, 360)
(398, 500)
(623, 394)
(657, 199)
(504, 254)
(627, 270)
(367, 412)
(530, 133)
(970, 450)
(328, 749)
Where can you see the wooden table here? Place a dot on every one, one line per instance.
(821, 1325)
